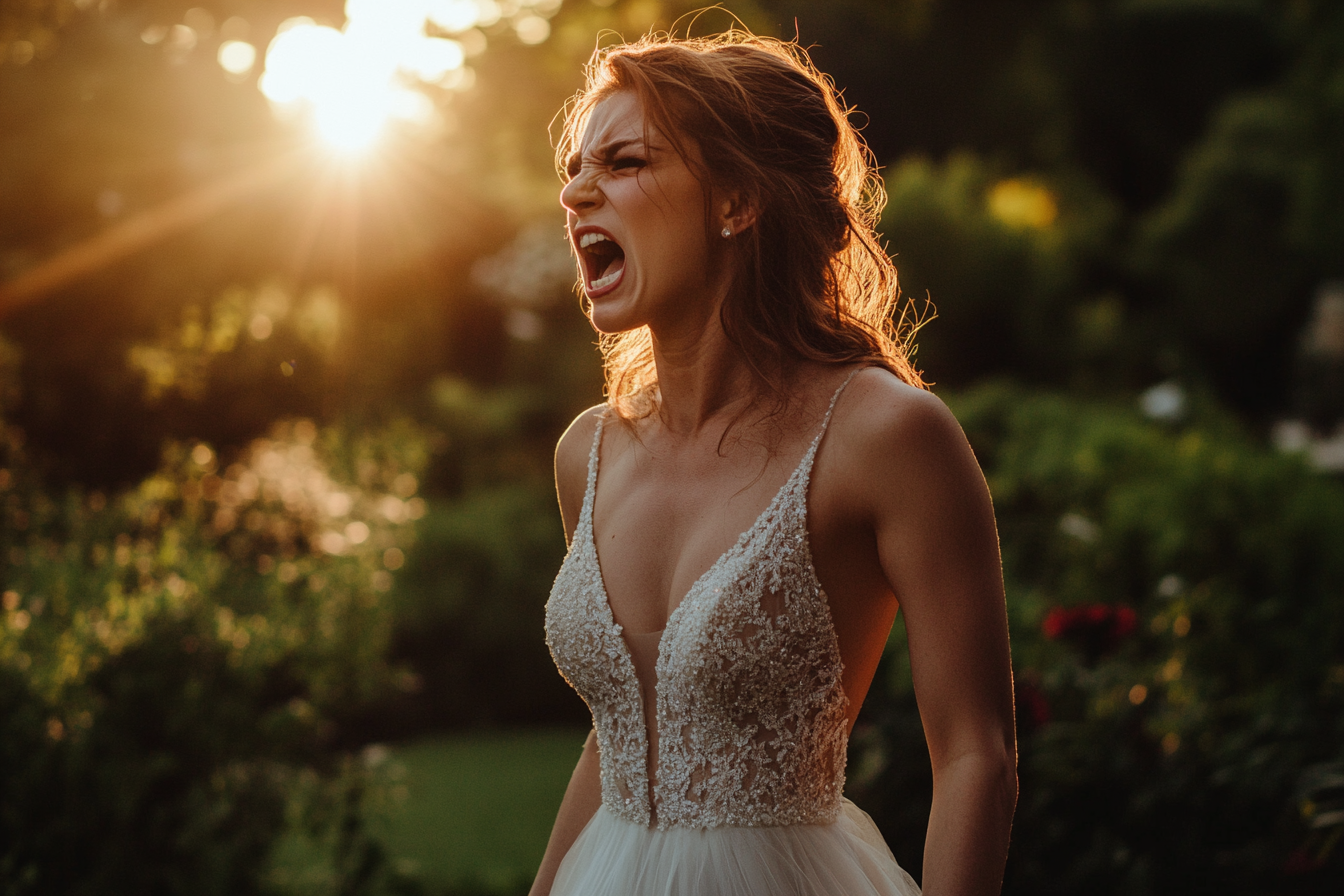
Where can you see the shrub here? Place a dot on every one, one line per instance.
(474, 589)
(1178, 637)
(171, 657)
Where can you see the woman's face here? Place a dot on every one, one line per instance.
(636, 216)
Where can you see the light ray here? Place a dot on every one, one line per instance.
(142, 230)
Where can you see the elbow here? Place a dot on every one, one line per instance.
(990, 773)
(1000, 775)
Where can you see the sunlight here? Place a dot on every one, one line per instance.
(353, 83)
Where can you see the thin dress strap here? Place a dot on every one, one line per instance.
(806, 465)
(591, 490)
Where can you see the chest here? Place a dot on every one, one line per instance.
(663, 519)
(743, 685)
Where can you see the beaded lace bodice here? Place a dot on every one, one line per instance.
(750, 711)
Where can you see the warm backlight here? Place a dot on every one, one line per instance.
(354, 81)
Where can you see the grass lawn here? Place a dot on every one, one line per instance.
(472, 807)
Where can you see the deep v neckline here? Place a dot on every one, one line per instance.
(743, 540)
(741, 543)
(652, 760)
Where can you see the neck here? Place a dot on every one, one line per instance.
(702, 377)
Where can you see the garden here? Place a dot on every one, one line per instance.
(289, 329)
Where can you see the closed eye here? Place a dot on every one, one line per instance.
(627, 162)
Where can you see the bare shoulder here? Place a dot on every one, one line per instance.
(898, 441)
(571, 464)
(884, 413)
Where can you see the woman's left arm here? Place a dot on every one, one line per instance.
(938, 547)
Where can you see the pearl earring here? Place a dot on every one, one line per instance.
(727, 232)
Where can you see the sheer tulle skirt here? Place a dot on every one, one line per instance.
(612, 857)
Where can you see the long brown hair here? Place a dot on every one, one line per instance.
(813, 281)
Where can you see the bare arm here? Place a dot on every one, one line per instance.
(582, 797)
(571, 467)
(584, 793)
(938, 548)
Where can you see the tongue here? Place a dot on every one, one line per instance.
(610, 273)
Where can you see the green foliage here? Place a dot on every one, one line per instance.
(1002, 259)
(472, 594)
(171, 656)
(1169, 758)
(1252, 225)
(1123, 191)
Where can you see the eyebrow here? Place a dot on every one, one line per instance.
(608, 151)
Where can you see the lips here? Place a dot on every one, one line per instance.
(602, 258)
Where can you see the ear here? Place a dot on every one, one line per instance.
(736, 213)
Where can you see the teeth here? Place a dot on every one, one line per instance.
(603, 282)
(589, 238)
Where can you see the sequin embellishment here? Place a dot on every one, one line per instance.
(751, 713)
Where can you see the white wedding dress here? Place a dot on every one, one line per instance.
(734, 787)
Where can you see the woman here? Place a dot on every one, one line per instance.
(774, 483)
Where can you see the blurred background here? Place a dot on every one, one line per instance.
(288, 331)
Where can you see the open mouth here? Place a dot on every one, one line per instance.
(603, 260)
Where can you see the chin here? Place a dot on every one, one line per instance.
(609, 320)
(608, 327)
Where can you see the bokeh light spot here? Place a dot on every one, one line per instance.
(1022, 204)
(237, 56)
(487, 12)
(357, 532)
(260, 327)
(21, 52)
(473, 42)
(532, 30)
(200, 21)
(182, 38)
(299, 61)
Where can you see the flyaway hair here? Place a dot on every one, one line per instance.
(813, 281)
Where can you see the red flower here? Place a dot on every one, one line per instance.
(1125, 621)
(1095, 628)
(1056, 622)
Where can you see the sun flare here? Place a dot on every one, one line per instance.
(354, 82)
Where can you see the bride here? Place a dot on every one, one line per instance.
(767, 483)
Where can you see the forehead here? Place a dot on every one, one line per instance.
(616, 118)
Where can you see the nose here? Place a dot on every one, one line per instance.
(581, 193)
